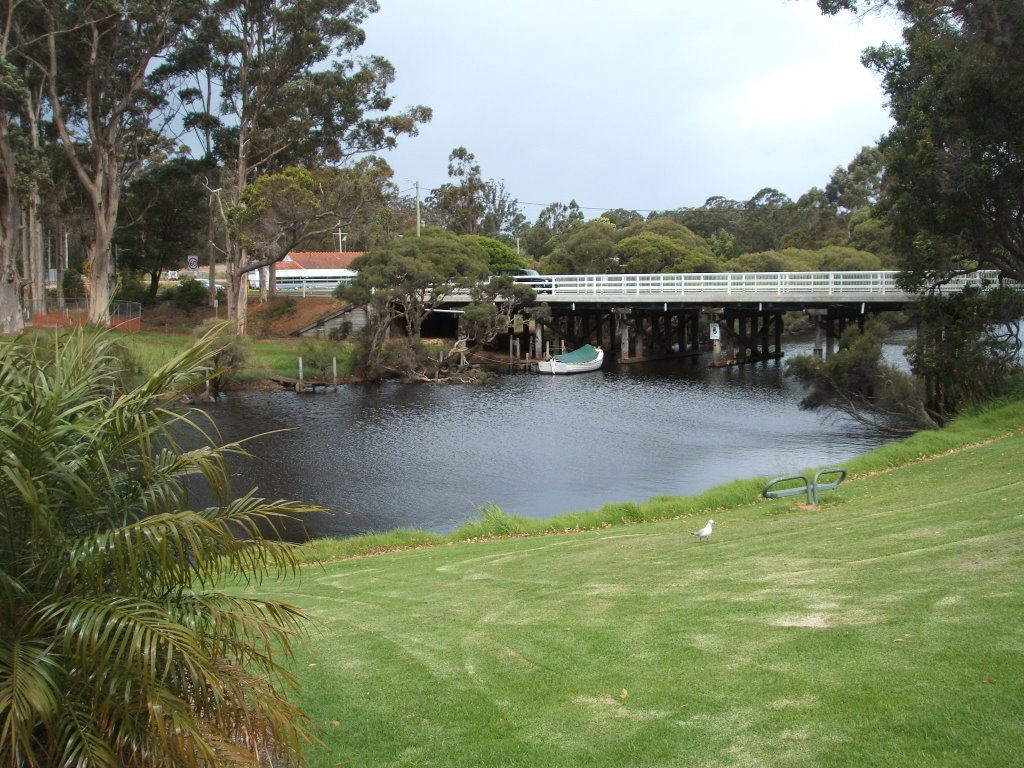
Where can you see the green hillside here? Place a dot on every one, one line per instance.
(882, 629)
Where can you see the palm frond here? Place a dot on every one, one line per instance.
(123, 654)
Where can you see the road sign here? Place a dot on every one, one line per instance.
(193, 262)
(714, 331)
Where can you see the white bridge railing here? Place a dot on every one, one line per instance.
(732, 283)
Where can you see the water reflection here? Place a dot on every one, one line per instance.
(393, 455)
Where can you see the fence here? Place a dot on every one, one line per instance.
(124, 315)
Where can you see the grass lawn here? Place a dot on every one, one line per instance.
(882, 629)
(266, 356)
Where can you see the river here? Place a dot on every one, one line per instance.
(394, 455)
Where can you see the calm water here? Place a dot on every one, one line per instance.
(428, 456)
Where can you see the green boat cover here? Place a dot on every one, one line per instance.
(583, 354)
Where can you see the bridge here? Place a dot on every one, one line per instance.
(652, 316)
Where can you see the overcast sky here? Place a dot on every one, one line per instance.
(646, 105)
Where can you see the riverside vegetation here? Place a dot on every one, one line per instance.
(881, 628)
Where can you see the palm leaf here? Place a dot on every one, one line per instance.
(124, 655)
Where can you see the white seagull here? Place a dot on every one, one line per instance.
(704, 532)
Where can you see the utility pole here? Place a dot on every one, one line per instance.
(417, 209)
(417, 206)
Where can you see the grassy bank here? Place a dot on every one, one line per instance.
(883, 628)
(265, 356)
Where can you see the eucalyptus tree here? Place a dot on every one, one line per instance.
(502, 215)
(469, 205)
(292, 93)
(120, 645)
(12, 93)
(858, 184)
(461, 206)
(280, 211)
(553, 225)
(954, 161)
(23, 162)
(102, 101)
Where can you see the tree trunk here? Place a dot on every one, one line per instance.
(35, 268)
(101, 272)
(11, 319)
(238, 298)
(62, 259)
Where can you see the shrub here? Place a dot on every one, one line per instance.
(318, 357)
(73, 285)
(190, 295)
(116, 647)
(132, 290)
(226, 356)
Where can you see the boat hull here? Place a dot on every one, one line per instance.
(556, 366)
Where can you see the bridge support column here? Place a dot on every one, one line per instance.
(747, 336)
(817, 318)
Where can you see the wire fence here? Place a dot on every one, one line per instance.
(124, 315)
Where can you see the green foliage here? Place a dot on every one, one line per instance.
(500, 255)
(341, 331)
(73, 285)
(588, 249)
(954, 178)
(285, 307)
(227, 354)
(161, 216)
(967, 346)
(117, 646)
(132, 290)
(461, 206)
(787, 260)
(663, 245)
(722, 244)
(649, 253)
(856, 186)
(872, 233)
(554, 224)
(401, 282)
(858, 381)
(190, 295)
(836, 258)
(318, 357)
(493, 522)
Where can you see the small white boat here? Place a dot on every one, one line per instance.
(581, 360)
